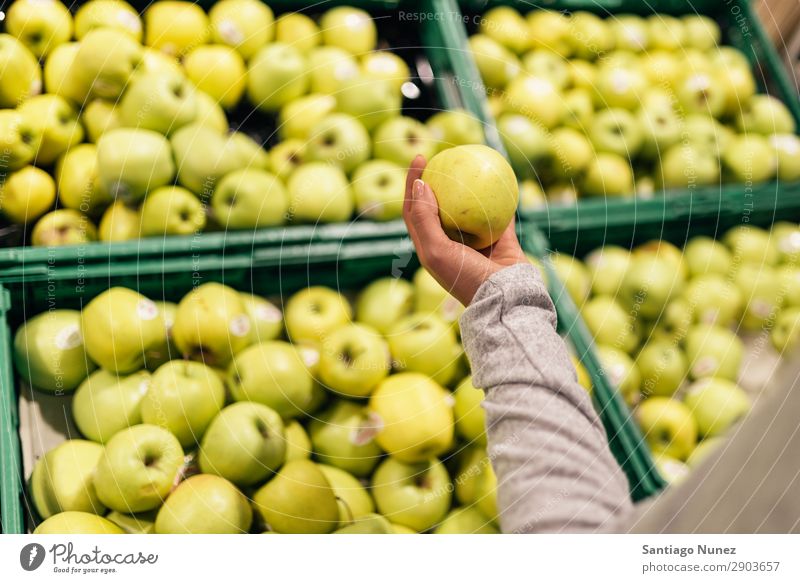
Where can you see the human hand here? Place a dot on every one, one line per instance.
(461, 270)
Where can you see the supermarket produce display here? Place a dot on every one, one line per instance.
(179, 120)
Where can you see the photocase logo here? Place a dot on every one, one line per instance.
(31, 556)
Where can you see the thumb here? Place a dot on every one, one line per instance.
(424, 214)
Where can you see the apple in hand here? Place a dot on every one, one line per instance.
(400, 139)
(668, 426)
(175, 28)
(204, 504)
(171, 210)
(77, 523)
(298, 30)
(466, 520)
(41, 26)
(339, 139)
(344, 437)
(161, 102)
(132, 162)
(298, 500)
(119, 326)
(416, 495)
(56, 121)
(20, 75)
(384, 302)
(424, 343)
(246, 25)
(319, 192)
(415, 415)
(298, 117)
(138, 468)
(106, 62)
(105, 403)
(353, 499)
(26, 195)
(717, 404)
(276, 75)
(63, 227)
(379, 189)
(245, 444)
(312, 313)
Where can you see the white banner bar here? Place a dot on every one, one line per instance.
(398, 558)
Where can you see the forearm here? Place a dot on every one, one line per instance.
(547, 445)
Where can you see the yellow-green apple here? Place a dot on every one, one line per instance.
(348, 28)
(766, 115)
(319, 192)
(610, 323)
(298, 444)
(39, 25)
(210, 113)
(274, 374)
(56, 121)
(631, 33)
(98, 117)
(786, 237)
(400, 139)
(661, 68)
(650, 282)
(619, 87)
(717, 404)
(607, 267)
(370, 101)
(661, 129)
(314, 312)
(574, 274)
(62, 479)
(154, 61)
(616, 131)
(171, 210)
(713, 299)
(466, 520)
(548, 29)
(537, 98)
(119, 222)
(761, 289)
(298, 117)
(20, 75)
(737, 82)
(663, 367)
(340, 140)
(477, 193)
(416, 495)
(183, 398)
(26, 195)
(789, 276)
(329, 68)
(751, 245)
(622, 372)
(531, 195)
(353, 499)
(112, 14)
(250, 152)
(384, 302)
(546, 64)
(704, 255)
(506, 26)
(486, 493)
(245, 444)
(416, 417)
(666, 32)
(298, 500)
(344, 436)
(668, 426)
(701, 31)
(698, 92)
(63, 227)
(78, 182)
(579, 109)
(424, 343)
(265, 317)
(160, 102)
(385, 66)
(106, 61)
(354, 358)
(589, 36)
(571, 153)
(175, 28)
(526, 142)
(138, 468)
(496, 64)
(250, 199)
(581, 373)
(455, 127)
(749, 158)
(276, 75)
(673, 471)
(297, 30)
(786, 331)
(471, 462)
(204, 504)
(132, 162)
(203, 156)
(118, 326)
(140, 523)
(378, 189)
(106, 403)
(432, 298)
(49, 353)
(703, 451)
(19, 140)
(246, 25)
(166, 350)
(470, 418)
(608, 175)
(219, 71)
(787, 153)
(77, 523)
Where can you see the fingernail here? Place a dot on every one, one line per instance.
(417, 187)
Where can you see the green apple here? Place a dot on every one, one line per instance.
(246, 25)
(245, 444)
(579, 109)
(574, 274)
(340, 140)
(589, 36)
(486, 493)
(477, 205)
(760, 287)
(661, 129)
(175, 28)
(713, 299)
(106, 61)
(20, 75)
(507, 26)
(183, 398)
(470, 417)
(26, 195)
(766, 115)
(537, 98)
(717, 404)
(583, 76)
(265, 317)
(650, 283)
(78, 182)
(668, 426)
(664, 250)
(572, 153)
(424, 343)
(737, 82)
(204, 504)
(379, 189)
(118, 326)
(673, 471)
(105, 403)
(526, 142)
(132, 162)
(314, 312)
(619, 87)
(210, 113)
(466, 520)
(250, 199)
(549, 29)
(211, 324)
(171, 210)
(329, 68)
(56, 121)
(353, 360)
(631, 33)
(285, 157)
(789, 276)
(401, 139)
(77, 523)
(165, 350)
(661, 68)
(370, 101)
(115, 15)
(496, 64)
(219, 71)
(607, 267)
(348, 28)
(298, 444)
(749, 158)
(610, 324)
(416, 417)
(203, 156)
(786, 331)
(63, 227)
(298, 500)
(276, 75)
(713, 351)
(616, 131)
(98, 117)
(531, 195)
(455, 127)
(608, 175)
(546, 64)
(432, 298)
(704, 255)
(298, 117)
(344, 437)
(701, 31)
(368, 524)
(141, 523)
(687, 166)
(752, 245)
(471, 462)
(786, 236)
(40, 26)
(384, 65)
(161, 102)
(319, 192)
(19, 140)
(666, 32)
(698, 92)
(787, 153)
(119, 223)
(274, 374)
(622, 372)
(353, 499)
(663, 367)
(138, 468)
(384, 302)
(416, 495)
(297, 30)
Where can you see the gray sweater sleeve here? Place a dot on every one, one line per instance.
(547, 445)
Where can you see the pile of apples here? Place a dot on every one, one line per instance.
(226, 413)
(114, 117)
(608, 107)
(668, 327)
